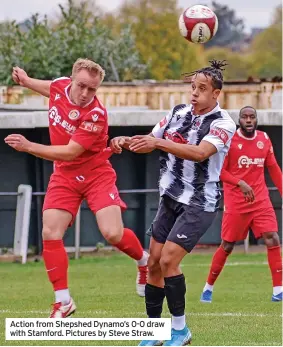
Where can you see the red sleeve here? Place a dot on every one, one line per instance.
(273, 168)
(276, 176)
(90, 130)
(270, 158)
(226, 176)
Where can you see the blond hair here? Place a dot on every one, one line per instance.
(90, 66)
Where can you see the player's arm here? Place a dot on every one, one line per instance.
(40, 86)
(198, 153)
(120, 142)
(227, 177)
(220, 133)
(274, 169)
(65, 152)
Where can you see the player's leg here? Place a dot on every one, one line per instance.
(59, 210)
(234, 228)
(218, 262)
(266, 220)
(154, 290)
(109, 220)
(103, 199)
(189, 227)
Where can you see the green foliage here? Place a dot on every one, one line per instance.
(239, 63)
(266, 52)
(262, 59)
(47, 50)
(158, 40)
(139, 40)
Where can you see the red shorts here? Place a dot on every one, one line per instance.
(68, 188)
(235, 226)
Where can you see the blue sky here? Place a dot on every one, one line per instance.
(256, 13)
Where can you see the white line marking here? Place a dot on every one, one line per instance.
(205, 314)
(244, 263)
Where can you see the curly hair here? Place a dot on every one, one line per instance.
(214, 71)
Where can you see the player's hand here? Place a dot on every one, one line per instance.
(117, 143)
(19, 76)
(247, 191)
(142, 144)
(18, 142)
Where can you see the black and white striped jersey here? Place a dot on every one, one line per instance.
(189, 182)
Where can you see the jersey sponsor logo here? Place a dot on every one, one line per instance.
(196, 124)
(91, 127)
(246, 161)
(94, 117)
(74, 114)
(162, 122)
(57, 96)
(175, 137)
(56, 119)
(260, 144)
(240, 146)
(220, 133)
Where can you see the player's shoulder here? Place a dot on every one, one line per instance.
(61, 82)
(96, 110)
(181, 108)
(262, 135)
(224, 121)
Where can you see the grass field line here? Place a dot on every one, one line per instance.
(204, 314)
(236, 263)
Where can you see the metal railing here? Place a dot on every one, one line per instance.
(23, 210)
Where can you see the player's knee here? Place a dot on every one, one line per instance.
(112, 234)
(52, 233)
(271, 239)
(227, 246)
(153, 266)
(167, 262)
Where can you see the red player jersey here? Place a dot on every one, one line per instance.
(245, 161)
(88, 126)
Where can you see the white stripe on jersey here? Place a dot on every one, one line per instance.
(60, 78)
(98, 109)
(188, 173)
(167, 177)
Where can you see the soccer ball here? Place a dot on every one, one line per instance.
(198, 24)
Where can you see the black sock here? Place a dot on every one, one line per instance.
(175, 290)
(154, 297)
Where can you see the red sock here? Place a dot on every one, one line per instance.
(218, 262)
(275, 264)
(130, 245)
(56, 263)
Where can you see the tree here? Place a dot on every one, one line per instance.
(48, 49)
(239, 64)
(277, 18)
(266, 53)
(230, 28)
(158, 40)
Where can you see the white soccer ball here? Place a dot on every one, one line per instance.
(198, 24)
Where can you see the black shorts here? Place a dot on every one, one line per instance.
(180, 223)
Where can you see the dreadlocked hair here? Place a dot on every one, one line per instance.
(214, 71)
